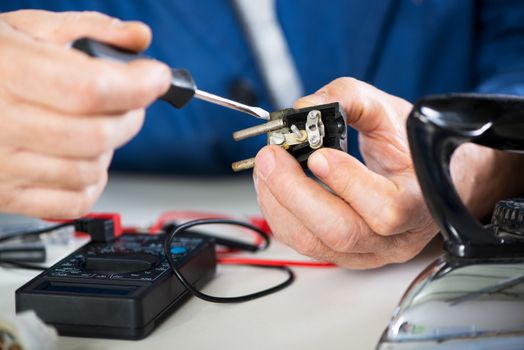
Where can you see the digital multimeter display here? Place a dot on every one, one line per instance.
(84, 289)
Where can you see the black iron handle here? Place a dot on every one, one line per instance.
(436, 126)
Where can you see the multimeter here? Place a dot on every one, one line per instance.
(121, 288)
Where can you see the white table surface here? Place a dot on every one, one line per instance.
(323, 309)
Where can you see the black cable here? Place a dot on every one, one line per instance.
(181, 228)
(21, 265)
(18, 234)
(226, 242)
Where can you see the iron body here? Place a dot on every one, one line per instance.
(472, 297)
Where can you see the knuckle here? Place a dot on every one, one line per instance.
(346, 81)
(338, 237)
(102, 182)
(84, 16)
(308, 246)
(87, 173)
(345, 186)
(391, 219)
(303, 248)
(77, 210)
(100, 137)
(88, 93)
(94, 15)
(105, 160)
(141, 94)
(80, 205)
(134, 120)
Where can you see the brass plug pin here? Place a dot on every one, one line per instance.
(258, 129)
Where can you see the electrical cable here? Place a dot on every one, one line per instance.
(232, 244)
(236, 299)
(20, 234)
(166, 220)
(36, 232)
(172, 217)
(21, 265)
(271, 262)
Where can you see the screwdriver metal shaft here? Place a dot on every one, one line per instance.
(254, 111)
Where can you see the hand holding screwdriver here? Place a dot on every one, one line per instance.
(182, 88)
(62, 113)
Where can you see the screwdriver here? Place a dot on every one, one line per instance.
(183, 87)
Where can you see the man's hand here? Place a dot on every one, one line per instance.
(62, 113)
(375, 214)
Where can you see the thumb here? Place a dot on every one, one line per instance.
(318, 98)
(64, 27)
(368, 109)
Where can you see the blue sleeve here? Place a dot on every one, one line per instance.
(499, 47)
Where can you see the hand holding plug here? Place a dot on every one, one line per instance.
(374, 213)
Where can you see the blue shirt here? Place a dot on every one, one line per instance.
(407, 48)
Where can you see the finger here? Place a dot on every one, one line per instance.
(328, 217)
(51, 133)
(70, 81)
(64, 27)
(50, 203)
(367, 108)
(386, 205)
(287, 228)
(23, 168)
(291, 231)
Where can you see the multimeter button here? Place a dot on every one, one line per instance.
(178, 250)
(120, 263)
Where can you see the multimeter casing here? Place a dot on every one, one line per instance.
(95, 291)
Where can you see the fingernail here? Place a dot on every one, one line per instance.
(162, 73)
(265, 163)
(319, 164)
(255, 181)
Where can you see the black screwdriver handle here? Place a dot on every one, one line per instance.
(182, 87)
